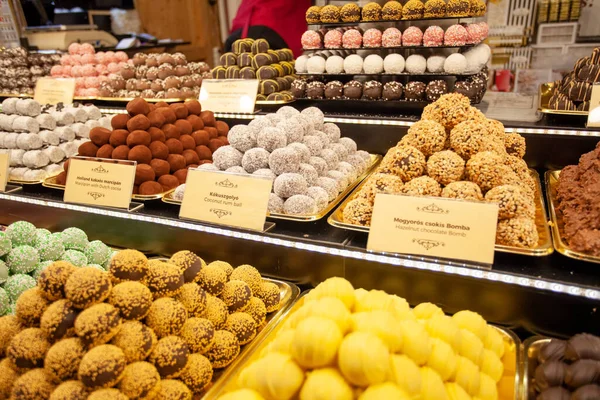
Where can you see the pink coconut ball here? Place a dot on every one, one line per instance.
(333, 39)
(311, 40)
(113, 67)
(372, 38)
(88, 59)
(76, 59)
(456, 35)
(79, 83)
(130, 62)
(475, 34)
(433, 36)
(122, 64)
(412, 36)
(87, 48)
(74, 48)
(102, 78)
(92, 92)
(101, 69)
(67, 70)
(352, 39)
(391, 37)
(79, 92)
(92, 82)
(76, 71)
(111, 55)
(121, 56)
(485, 29)
(56, 70)
(100, 56)
(65, 59)
(88, 70)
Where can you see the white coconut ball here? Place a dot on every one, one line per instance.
(394, 64)
(416, 64)
(315, 65)
(436, 64)
(301, 64)
(373, 64)
(353, 64)
(455, 64)
(334, 65)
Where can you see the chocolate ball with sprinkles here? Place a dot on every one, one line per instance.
(193, 298)
(170, 356)
(173, 389)
(74, 239)
(52, 279)
(164, 278)
(128, 265)
(102, 366)
(197, 374)
(98, 324)
(415, 91)
(22, 259)
(140, 380)
(30, 307)
(334, 90)
(198, 334)
(243, 326)
(33, 385)
(247, 273)
(9, 328)
(435, 89)
(216, 311)
(406, 162)
(107, 394)
(269, 293)
(58, 320)
(63, 359)
(70, 390)
(350, 12)
(166, 316)
(371, 12)
(136, 340)
(391, 11)
(212, 279)
(330, 14)
(458, 8)
(313, 15)
(392, 91)
(236, 295)
(87, 286)
(132, 299)
(413, 9)
(225, 266)
(21, 233)
(224, 350)
(189, 264)
(257, 310)
(28, 348)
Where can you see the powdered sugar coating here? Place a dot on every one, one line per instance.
(332, 131)
(330, 157)
(313, 143)
(315, 65)
(373, 64)
(294, 132)
(433, 36)
(455, 64)
(350, 144)
(412, 36)
(435, 63)
(416, 64)
(340, 149)
(275, 204)
(266, 172)
(334, 65)
(392, 37)
(341, 179)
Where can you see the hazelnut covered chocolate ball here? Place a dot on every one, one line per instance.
(58, 321)
(132, 299)
(87, 286)
(128, 265)
(98, 324)
(136, 340)
(102, 366)
(28, 348)
(166, 316)
(52, 279)
(170, 356)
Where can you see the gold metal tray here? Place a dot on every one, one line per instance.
(272, 102)
(375, 159)
(543, 248)
(128, 99)
(557, 224)
(51, 183)
(546, 91)
(531, 349)
(508, 387)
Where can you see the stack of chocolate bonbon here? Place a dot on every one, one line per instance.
(20, 70)
(254, 59)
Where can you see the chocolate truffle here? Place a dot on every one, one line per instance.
(236, 294)
(225, 266)
(407, 162)
(189, 264)
(102, 366)
(313, 15)
(98, 324)
(458, 8)
(87, 286)
(166, 316)
(224, 350)
(582, 372)
(174, 389)
(216, 311)
(163, 278)
(371, 12)
(315, 90)
(198, 334)
(583, 346)
(434, 9)
(298, 89)
(392, 91)
(372, 90)
(512, 202)
(28, 348)
(353, 90)
(30, 306)
(197, 374)
(415, 91)
(107, 394)
(587, 392)
(518, 232)
(63, 359)
(58, 321)
(350, 12)
(553, 350)
(435, 89)
(257, 310)
(52, 280)
(136, 340)
(549, 374)
(248, 274)
(330, 14)
(32, 385)
(140, 381)
(242, 325)
(170, 355)
(212, 279)
(334, 90)
(193, 299)
(391, 11)
(269, 293)
(129, 265)
(413, 9)
(132, 299)
(70, 390)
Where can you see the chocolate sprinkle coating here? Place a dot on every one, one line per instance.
(58, 320)
(87, 286)
(136, 340)
(63, 359)
(170, 355)
(225, 349)
(28, 348)
(52, 279)
(140, 380)
(98, 324)
(102, 366)
(129, 265)
(132, 299)
(166, 316)
(189, 264)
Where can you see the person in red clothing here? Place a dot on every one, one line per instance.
(280, 22)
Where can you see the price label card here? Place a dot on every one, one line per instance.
(100, 182)
(226, 199)
(432, 226)
(4, 163)
(54, 91)
(229, 95)
(594, 114)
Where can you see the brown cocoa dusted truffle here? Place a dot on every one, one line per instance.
(52, 279)
(201, 137)
(212, 132)
(143, 173)
(224, 350)
(63, 359)
(140, 380)
(33, 385)
(119, 121)
(156, 134)
(159, 150)
(120, 153)
(150, 188)
(166, 316)
(203, 152)
(197, 373)
(100, 136)
(141, 154)
(180, 110)
(9, 327)
(98, 324)
(31, 304)
(170, 355)
(70, 390)
(138, 106)
(188, 142)
(176, 161)
(168, 182)
(157, 119)
(160, 167)
(181, 175)
(171, 131)
(208, 117)
(164, 279)
(138, 137)
(87, 286)
(128, 265)
(175, 146)
(189, 264)
(105, 151)
(184, 126)
(139, 122)
(222, 128)
(136, 340)
(102, 366)
(191, 157)
(28, 348)
(169, 114)
(193, 106)
(118, 137)
(196, 122)
(58, 321)
(88, 149)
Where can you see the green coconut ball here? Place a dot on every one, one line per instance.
(74, 239)
(17, 284)
(100, 267)
(4, 302)
(21, 233)
(77, 258)
(22, 259)
(5, 244)
(50, 248)
(3, 272)
(40, 234)
(97, 252)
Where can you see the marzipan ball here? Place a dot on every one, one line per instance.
(355, 350)
(52, 279)
(176, 161)
(193, 107)
(138, 137)
(166, 316)
(187, 142)
(143, 173)
(98, 324)
(156, 134)
(170, 355)
(119, 121)
(222, 128)
(160, 167)
(120, 153)
(87, 286)
(184, 126)
(132, 299)
(137, 106)
(88, 149)
(100, 136)
(208, 117)
(129, 265)
(63, 359)
(30, 307)
(196, 122)
(141, 154)
(136, 340)
(33, 385)
(102, 366)
(140, 122)
(168, 182)
(204, 153)
(181, 175)
(159, 150)
(157, 119)
(105, 151)
(150, 188)
(315, 342)
(180, 110)
(264, 376)
(169, 114)
(171, 131)
(118, 137)
(140, 380)
(58, 320)
(28, 348)
(191, 157)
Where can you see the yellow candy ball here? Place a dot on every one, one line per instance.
(316, 342)
(470, 346)
(467, 375)
(487, 388)
(300, 314)
(282, 343)
(473, 322)
(386, 390)
(442, 359)
(491, 365)
(445, 328)
(334, 309)
(359, 294)
(380, 300)
(381, 323)
(334, 287)
(363, 359)
(416, 341)
(456, 392)
(242, 394)
(432, 386)
(275, 377)
(427, 311)
(494, 341)
(325, 384)
(406, 374)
